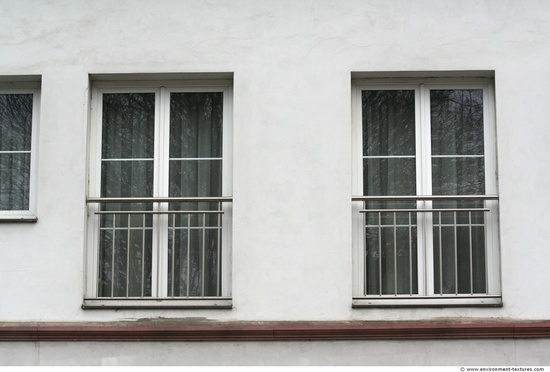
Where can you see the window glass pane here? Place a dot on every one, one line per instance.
(195, 170)
(190, 178)
(15, 150)
(389, 168)
(196, 125)
(15, 122)
(457, 122)
(457, 142)
(128, 125)
(127, 148)
(14, 181)
(458, 168)
(389, 176)
(458, 176)
(127, 170)
(126, 178)
(388, 122)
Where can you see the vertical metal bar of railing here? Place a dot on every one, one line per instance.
(128, 256)
(100, 257)
(218, 251)
(485, 252)
(203, 258)
(410, 255)
(456, 252)
(471, 251)
(113, 258)
(143, 255)
(380, 252)
(188, 253)
(173, 273)
(364, 255)
(440, 258)
(395, 253)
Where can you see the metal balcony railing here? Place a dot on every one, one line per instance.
(426, 245)
(165, 247)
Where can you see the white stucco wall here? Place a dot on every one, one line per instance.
(292, 64)
(340, 353)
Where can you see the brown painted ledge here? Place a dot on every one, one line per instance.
(271, 331)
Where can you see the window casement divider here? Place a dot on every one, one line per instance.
(424, 256)
(162, 128)
(426, 219)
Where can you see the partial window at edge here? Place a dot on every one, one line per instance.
(18, 122)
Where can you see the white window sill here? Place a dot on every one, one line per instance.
(17, 216)
(425, 301)
(158, 303)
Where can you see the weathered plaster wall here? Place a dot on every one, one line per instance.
(292, 63)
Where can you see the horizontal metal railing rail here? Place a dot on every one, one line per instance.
(159, 212)
(390, 218)
(423, 197)
(171, 199)
(123, 239)
(426, 210)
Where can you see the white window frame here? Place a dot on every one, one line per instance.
(426, 295)
(30, 214)
(162, 90)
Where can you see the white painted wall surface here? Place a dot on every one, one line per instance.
(339, 353)
(292, 64)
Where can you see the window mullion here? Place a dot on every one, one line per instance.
(424, 176)
(160, 252)
(162, 174)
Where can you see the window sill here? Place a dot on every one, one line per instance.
(158, 303)
(17, 216)
(425, 301)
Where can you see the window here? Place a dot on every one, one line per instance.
(19, 106)
(425, 211)
(160, 186)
